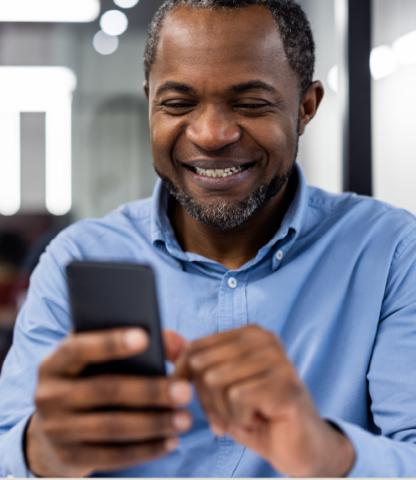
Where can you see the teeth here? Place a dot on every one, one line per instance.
(218, 173)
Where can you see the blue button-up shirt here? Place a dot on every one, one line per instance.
(337, 284)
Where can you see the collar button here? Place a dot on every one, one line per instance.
(279, 255)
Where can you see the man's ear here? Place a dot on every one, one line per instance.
(310, 104)
(146, 88)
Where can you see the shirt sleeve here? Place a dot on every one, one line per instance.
(391, 379)
(42, 323)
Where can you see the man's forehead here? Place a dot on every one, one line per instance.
(215, 26)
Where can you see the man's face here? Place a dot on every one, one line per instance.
(224, 112)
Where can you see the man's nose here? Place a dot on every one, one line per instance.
(213, 129)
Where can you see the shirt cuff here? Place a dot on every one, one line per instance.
(376, 455)
(12, 458)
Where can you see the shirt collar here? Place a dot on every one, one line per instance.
(290, 227)
(162, 234)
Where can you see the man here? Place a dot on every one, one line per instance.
(291, 311)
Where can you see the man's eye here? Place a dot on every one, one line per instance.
(175, 106)
(251, 106)
(178, 104)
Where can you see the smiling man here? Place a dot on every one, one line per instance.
(291, 311)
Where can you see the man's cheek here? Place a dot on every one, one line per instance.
(281, 146)
(161, 145)
(164, 134)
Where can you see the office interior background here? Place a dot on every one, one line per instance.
(73, 117)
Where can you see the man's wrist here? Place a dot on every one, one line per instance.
(339, 454)
(35, 457)
(28, 447)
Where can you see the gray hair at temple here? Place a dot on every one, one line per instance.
(290, 19)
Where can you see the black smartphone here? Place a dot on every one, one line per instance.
(105, 295)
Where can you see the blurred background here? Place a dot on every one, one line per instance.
(73, 118)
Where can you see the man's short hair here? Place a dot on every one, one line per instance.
(291, 20)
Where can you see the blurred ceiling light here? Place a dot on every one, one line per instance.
(126, 3)
(37, 89)
(333, 79)
(81, 11)
(105, 44)
(114, 22)
(405, 48)
(382, 62)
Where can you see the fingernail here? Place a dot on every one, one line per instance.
(180, 392)
(135, 339)
(171, 444)
(181, 421)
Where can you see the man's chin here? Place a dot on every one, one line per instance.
(224, 214)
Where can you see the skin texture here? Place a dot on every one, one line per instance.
(217, 111)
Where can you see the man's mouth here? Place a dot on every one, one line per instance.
(219, 172)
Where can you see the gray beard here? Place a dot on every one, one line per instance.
(223, 215)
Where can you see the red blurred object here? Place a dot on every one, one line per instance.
(8, 310)
(7, 293)
(30, 226)
(21, 243)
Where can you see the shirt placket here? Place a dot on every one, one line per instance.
(232, 313)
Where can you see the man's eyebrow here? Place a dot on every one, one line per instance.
(253, 85)
(175, 87)
(178, 87)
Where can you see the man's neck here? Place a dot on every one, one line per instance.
(232, 248)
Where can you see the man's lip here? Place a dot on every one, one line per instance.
(216, 164)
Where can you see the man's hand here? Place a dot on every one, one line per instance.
(251, 391)
(104, 422)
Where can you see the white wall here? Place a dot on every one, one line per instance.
(320, 148)
(394, 102)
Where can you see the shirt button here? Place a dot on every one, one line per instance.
(232, 282)
(279, 255)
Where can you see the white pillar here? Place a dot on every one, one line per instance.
(37, 89)
(10, 195)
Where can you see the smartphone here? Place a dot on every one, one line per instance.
(106, 295)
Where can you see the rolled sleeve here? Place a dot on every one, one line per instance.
(378, 456)
(391, 379)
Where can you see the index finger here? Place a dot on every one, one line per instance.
(250, 334)
(81, 349)
(217, 339)
(182, 367)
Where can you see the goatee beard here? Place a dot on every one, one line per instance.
(225, 215)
